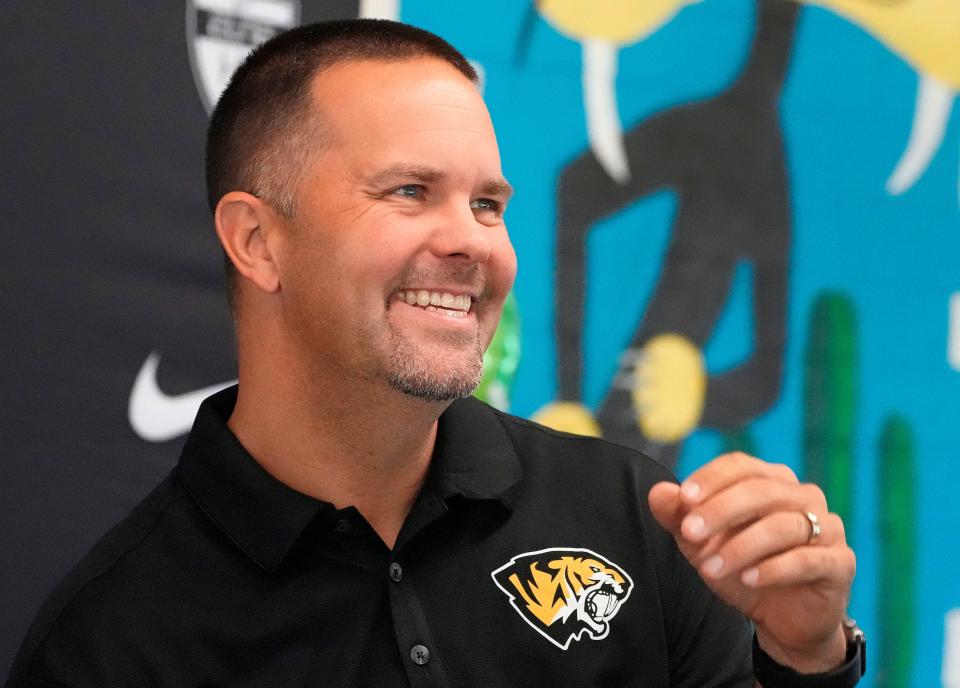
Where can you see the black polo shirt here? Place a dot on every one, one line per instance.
(529, 559)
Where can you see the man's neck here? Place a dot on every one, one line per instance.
(348, 449)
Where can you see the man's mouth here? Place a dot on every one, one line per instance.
(444, 303)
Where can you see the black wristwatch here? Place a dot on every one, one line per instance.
(770, 674)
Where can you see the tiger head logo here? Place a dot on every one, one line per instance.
(563, 593)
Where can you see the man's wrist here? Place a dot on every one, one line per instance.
(771, 674)
(820, 658)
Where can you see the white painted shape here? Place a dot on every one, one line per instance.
(497, 396)
(481, 75)
(380, 9)
(930, 117)
(953, 331)
(600, 103)
(156, 416)
(950, 673)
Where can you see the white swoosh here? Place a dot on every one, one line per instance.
(156, 416)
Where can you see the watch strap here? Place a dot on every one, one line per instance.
(771, 674)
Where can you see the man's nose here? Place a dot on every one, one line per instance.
(459, 234)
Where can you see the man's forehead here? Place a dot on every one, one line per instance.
(373, 76)
(384, 96)
(409, 116)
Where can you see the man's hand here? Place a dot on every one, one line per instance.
(742, 524)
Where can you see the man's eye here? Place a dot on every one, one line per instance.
(409, 191)
(485, 204)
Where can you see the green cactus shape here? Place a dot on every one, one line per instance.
(896, 590)
(501, 358)
(830, 386)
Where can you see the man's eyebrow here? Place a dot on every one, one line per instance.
(421, 173)
(497, 187)
(405, 171)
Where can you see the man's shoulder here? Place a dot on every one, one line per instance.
(93, 593)
(541, 445)
(131, 533)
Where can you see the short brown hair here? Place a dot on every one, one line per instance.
(264, 130)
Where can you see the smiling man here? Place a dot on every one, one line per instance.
(347, 516)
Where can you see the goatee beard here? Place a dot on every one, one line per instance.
(412, 375)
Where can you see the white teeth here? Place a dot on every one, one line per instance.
(457, 305)
(447, 312)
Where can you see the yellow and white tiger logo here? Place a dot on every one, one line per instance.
(565, 592)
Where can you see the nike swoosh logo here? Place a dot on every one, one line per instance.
(156, 416)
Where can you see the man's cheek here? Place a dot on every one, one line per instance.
(504, 264)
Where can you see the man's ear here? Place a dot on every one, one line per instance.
(243, 224)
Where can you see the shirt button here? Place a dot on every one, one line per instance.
(344, 526)
(419, 654)
(396, 573)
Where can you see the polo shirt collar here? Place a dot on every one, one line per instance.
(474, 458)
(260, 514)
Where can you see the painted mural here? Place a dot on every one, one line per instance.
(738, 228)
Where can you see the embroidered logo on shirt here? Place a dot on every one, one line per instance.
(565, 592)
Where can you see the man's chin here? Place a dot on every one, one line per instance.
(426, 390)
(433, 385)
(452, 372)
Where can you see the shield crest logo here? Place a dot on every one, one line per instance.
(220, 33)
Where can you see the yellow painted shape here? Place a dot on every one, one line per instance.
(925, 33)
(616, 21)
(669, 388)
(568, 416)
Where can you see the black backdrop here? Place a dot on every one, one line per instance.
(108, 254)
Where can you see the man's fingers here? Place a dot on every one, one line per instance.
(800, 565)
(727, 469)
(665, 504)
(770, 536)
(748, 501)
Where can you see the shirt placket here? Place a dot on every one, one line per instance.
(415, 641)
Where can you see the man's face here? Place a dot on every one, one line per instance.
(397, 263)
